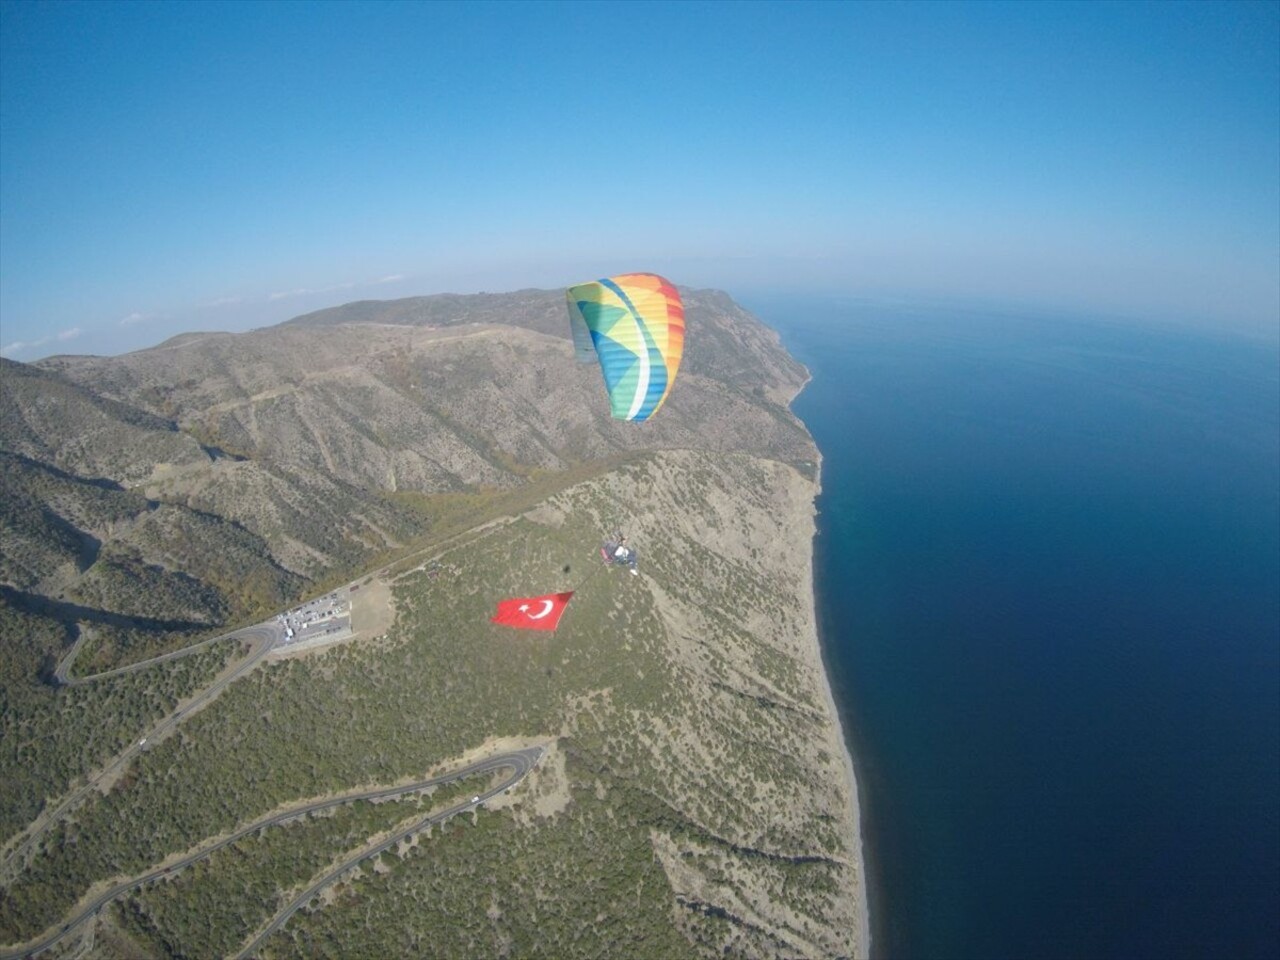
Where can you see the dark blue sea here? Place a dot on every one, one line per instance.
(1049, 593)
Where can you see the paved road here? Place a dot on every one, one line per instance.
(269, 633)
(264, 636)
(62, 675)
(520, 762)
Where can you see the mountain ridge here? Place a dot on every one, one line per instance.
(315, 443)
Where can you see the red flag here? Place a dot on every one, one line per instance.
(532, 613)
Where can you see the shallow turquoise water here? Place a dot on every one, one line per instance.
(1049, 591)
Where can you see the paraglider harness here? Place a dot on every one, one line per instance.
(615, 553)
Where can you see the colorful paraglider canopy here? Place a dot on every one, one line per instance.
(634, 326)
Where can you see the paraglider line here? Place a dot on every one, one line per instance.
(587, 578)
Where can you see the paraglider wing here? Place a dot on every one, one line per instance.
(634, 325)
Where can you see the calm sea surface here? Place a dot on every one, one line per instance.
(1049, 589)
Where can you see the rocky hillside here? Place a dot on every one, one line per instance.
(308, 448)
(439, 393)
(82, 546)
(693, 800)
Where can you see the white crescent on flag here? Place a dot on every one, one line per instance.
(549, 606)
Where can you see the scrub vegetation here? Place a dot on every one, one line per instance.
(212, 908)
(694, 746)
(692, 800)
(51, 737)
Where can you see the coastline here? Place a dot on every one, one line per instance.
(862, 931)
(862, 908)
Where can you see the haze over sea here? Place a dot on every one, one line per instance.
(1049, 589)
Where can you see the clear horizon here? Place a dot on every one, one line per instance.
(166, 168)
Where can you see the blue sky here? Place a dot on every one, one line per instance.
(168, 167)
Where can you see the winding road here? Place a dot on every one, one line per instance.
(519, 762)
(62, 672)
(263, 637)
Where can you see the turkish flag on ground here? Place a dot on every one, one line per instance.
(532, 613)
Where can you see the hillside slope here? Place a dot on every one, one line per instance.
(315, 442)
(693, 803)
(440, 393)
(694, 800)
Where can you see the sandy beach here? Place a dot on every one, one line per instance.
(862, 933)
